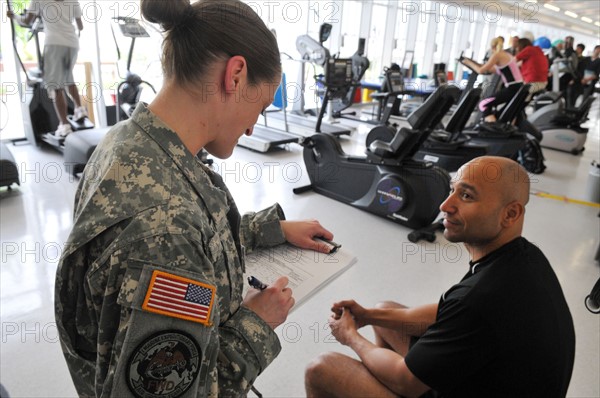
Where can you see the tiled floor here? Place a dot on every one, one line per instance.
(36, 219)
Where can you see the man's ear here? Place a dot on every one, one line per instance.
(513, 212)
(235, 72)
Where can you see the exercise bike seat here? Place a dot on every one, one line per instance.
(576, 115)
(404, 140)
(433, 110)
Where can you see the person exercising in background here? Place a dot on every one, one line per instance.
(514, 44)
(505, 330)
(534, 66)
(505, 65)
(591, 74)
(61, 46)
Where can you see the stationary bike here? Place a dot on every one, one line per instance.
(387, 181)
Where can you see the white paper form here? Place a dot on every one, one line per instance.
(307, 270)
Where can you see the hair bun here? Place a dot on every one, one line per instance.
(167, 13)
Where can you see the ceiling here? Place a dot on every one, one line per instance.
(583, 8)
(536, 12)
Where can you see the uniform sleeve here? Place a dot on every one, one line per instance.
(262, 229)
(452, 349)
(248, 346)
(158, 307)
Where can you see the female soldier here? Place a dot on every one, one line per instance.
(149, 287)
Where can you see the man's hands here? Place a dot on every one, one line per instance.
(301, 234)
(357, 311)
(347, 317)
(272, 304)
(24, 20)
(343, 327)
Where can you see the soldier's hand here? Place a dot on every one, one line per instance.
(272, 304)
(301, 234)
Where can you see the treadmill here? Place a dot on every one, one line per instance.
(264, 139)
(306, 126)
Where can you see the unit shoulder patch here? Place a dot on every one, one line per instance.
(165, 365)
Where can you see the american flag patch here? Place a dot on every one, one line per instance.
(179, 297)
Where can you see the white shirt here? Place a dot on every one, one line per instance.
(58, 17)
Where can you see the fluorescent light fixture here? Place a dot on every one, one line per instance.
(551, 7)
(586, 19)
(597, 23)
(571, 14)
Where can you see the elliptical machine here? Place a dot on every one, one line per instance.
(129, 90)
(387, 182)
(360, 64)
(41, 121)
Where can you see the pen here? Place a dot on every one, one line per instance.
(334, 245)
(256, 283)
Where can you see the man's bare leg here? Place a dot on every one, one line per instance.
(336, 375)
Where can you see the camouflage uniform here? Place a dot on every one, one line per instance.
(146, 204)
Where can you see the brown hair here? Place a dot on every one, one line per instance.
(524, 42)
(197, 35)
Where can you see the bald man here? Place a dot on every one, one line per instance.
(504, 330)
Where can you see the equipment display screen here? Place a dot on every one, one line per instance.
(338, 72)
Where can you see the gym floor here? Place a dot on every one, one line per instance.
(37, 217)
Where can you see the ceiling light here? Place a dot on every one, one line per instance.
(551, 7)
(571, 14)
(597, 23)
(586, 19)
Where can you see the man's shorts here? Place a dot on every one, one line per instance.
(58, 66)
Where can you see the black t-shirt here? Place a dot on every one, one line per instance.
(504, 331)
(594, 66)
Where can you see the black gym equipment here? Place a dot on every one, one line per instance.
(266, 138)
(388, 181)
(129, 90)
(427, 233)
(338, 79)
(344, 96)
(592, 300)
(453, 146)
(389, 97)
(9, 172)
(313, 51)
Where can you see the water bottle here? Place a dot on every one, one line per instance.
(592, 189)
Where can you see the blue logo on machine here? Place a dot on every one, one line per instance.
(391, 195)
(565, 138)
